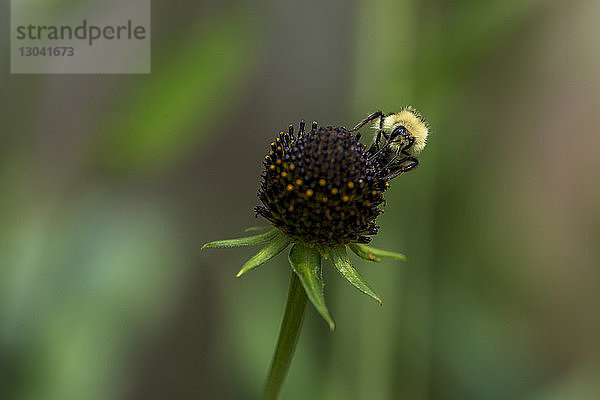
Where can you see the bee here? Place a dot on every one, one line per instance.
(400, 137)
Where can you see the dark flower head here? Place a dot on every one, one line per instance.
(322, 187)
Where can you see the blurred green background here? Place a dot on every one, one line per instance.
(111, 183)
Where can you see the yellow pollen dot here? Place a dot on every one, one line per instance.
(351, 185)
(367, 203)
(292, 167)
(271, 153)
(278, 138)
(289, 188)
(278, 161)
(298, 182)
(322, 182)
(266, 157)
(334, 191)
(273, 144)
(324, 199)
(284, 174)
(278, 148)
(272, 167)
(374, 192)
(387, 184)
(309, 192)
(345, 198)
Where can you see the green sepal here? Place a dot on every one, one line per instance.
(246, 241)
(306, 263)
(276, 246)
(342, 263)
(373, 254)
(258, 228)
(359, 251)
(324, 251)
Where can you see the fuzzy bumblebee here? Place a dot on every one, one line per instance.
(399, 138)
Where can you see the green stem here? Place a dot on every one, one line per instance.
(288, 337)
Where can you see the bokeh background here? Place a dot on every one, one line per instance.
(109, 184)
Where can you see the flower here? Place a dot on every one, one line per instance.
(321, 190)
(322, 187)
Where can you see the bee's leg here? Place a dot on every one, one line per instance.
(387, 138)
(394, 172)
(412, 163)
(372, 117)
(378, 138)
(402, 166)
(393, 161)
(405, 158)
(385, 146)
(373, 149)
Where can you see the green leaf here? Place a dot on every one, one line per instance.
(306, 263)
(377, 254)
(342, 263)
(258, 228)
(279, 243)
(324, 252)
(362, 253)
(246, 241)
